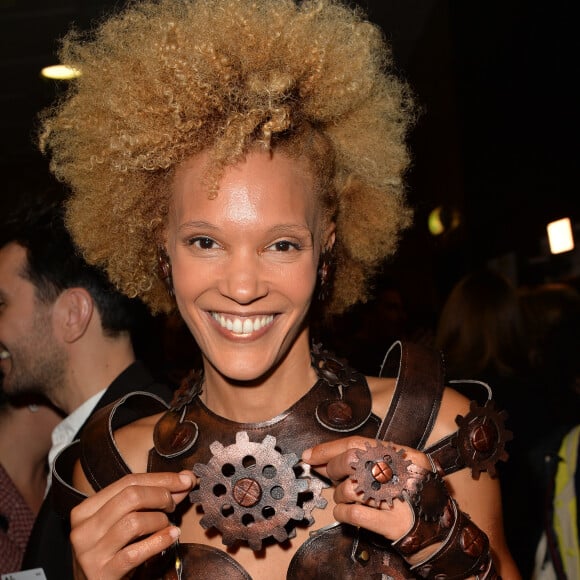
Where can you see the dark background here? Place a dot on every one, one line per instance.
(497, 141)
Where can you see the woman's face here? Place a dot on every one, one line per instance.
(244, 264)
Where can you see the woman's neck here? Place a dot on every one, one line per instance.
(264, 398)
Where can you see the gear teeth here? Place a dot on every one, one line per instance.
(316, 486)
(257, 496)
(280, 534)
(229, 539)
(216, 448)
(481, 437)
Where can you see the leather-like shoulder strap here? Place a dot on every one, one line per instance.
(97, 451)
(417, 396)
(100, 457)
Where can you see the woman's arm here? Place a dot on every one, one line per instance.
(479, 498)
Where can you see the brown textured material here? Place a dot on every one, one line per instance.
(258, 489)
(107, 466)
(349, 554)
(417, 397)
(479, 443)
(434, 516)
(382, 473)
(464, 553)
(339, 403)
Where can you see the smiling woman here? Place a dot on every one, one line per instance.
(247, 255)
(244, 163)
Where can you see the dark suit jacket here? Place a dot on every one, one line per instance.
(49, 547)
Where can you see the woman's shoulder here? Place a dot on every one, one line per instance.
(453, 403)
(135, 440)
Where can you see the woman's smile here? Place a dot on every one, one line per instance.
(243, 326)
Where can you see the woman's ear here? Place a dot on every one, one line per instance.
(329, 237)
(72, 313)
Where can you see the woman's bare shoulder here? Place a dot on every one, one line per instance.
(453, 404)
(135, 440)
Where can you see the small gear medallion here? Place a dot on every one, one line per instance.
(249, 492)
(383, 474)
(481, 438)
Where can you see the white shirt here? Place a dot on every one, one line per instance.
(65, 431)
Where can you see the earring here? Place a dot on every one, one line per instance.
(326, 270)
(164, 267)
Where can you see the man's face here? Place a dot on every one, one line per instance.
(31, 359)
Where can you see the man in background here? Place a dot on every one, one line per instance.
(65, 333)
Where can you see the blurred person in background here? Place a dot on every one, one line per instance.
(25, 429)
(65, 333)
(552, 318)
(480, 329)
(493, 331)
(364, 333)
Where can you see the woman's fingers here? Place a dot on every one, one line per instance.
(175, 483)
(107, 559)
(335, 459)
(126, 523)
(391, 522)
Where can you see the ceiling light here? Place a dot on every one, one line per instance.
(60, 72)
(560, 236)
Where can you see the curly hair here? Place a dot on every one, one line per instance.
(164, 80)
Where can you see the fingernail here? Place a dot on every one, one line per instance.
(185, 479)
(174, 532)
(306, 455)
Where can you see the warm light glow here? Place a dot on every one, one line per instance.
(434, 222)
(443, 219)
(60, 72)
(560, 236)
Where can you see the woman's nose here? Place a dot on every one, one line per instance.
(244, 280)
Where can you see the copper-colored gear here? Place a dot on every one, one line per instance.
(312, 499)
(249, 492)
(430, 498)
(383, 474)
(481, 438)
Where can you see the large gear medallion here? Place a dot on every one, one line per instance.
(383, 474)
(481, 438)
(249, 492)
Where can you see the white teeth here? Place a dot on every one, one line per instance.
(243, 326)
(4, 354)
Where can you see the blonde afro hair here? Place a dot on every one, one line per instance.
(163, 80)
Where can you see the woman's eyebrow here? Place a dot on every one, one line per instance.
(197, 224)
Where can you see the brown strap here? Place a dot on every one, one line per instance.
(64, 496)
(102, 469)
(417, 396)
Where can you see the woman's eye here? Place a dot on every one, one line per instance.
(202, 243)
(284, 246)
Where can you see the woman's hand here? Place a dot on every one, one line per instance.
(335, 460)
(126, 523)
